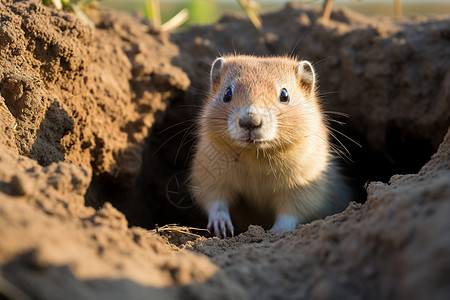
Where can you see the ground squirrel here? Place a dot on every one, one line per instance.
(263, 147)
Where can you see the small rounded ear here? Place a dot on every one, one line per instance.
(306, 75)
(216, 70)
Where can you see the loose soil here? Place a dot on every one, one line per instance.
(96, 127)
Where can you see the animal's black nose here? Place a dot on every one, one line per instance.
(251, 121)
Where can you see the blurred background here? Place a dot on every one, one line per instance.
(208, 11)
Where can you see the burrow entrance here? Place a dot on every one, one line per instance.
(160, 195)
(367, 69)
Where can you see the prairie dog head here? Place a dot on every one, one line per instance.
(261, 102)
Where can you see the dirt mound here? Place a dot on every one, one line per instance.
(86, 120)
(81, 96)
(54, 247)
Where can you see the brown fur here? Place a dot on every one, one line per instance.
(291, 173)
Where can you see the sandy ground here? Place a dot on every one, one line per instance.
(88, 151)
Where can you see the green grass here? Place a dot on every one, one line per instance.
(203, 11)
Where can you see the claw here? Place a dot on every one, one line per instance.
(231, 229)
(221, 227)
(219, 220)
(216, 228)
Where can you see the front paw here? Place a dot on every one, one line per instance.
(220, 224)
(284, 223)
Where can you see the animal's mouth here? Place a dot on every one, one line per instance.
(251, 139)
(254, 141)
(249, 142)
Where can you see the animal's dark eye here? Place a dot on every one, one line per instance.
(284, 96)
(228, 95)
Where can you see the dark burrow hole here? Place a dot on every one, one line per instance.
(160, 194)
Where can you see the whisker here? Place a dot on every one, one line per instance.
(174, 125)
(190, 150)
(340, 153)
(340, 143)
(270, 162)
(166, 141)
(336, 121)
(182, 141)
(327, 93)
(347, 137)
(217, 119)
(337, 113)
(191, 105)
(333, 147)
(198, 89)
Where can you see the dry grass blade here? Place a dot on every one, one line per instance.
(156, 14)
(249, 6)
(57, 4)
(176, 21)
(398, 9)
(327, 5)
(177, 228)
